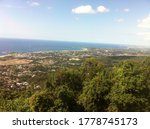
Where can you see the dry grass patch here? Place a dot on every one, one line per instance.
(15, 62)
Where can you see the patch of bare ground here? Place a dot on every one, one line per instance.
(15, 62)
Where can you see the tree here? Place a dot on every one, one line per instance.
(93, 97)
(41, 102)
(69, 77)
(129, 91)
(91, 67)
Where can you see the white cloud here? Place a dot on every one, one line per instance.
(84, 9)
(119, 20)
(102, 9)
(126, 10)
(33, 3)
(144, 23)
(88, 9)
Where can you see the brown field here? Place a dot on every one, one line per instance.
(15, 62)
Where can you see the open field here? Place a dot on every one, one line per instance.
(15, 62)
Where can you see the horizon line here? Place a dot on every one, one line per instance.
(73, 41)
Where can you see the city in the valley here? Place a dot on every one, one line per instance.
(18, 70)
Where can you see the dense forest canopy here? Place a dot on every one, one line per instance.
(97, 85)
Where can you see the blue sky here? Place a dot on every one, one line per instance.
(101, 21)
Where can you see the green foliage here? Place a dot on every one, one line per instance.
(97, 85)
(93, 97)
(65, 99)
(69, 77)
(40, 102)
(91, 67)
(16, 105)
(130, 91)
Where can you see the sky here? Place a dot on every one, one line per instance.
(97, 21)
